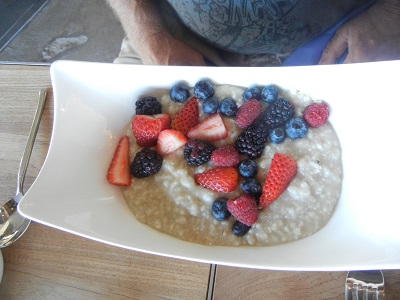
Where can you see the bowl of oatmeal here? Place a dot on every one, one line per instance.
(94, 105)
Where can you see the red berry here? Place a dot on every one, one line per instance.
(170, 140)
(244, 209)
(248, 112)
(225, 156)
(118, 172)
(316, 114)
(187, 117)
(210, 129)
(220, 179)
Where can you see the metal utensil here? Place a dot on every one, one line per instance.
(366, 285)
(12, 224)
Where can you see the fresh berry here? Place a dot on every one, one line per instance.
(247, 113)
(296, 128)
(219, 209)
(118, 172)
(240, 229)
(145, 163)
(179, 92)
(197, 152)
(252, 140)
(228, 107)
(269, 93)
(219, 179)
(316, 114)
(187, 117)
(203, 89)
(251, 186)
(281, 172)
(210, 106)
(148, 106)
(225, 156)
(210, 129)
(146, 128)
(248, 168)
(277, 135)
(251, 93)
(244, 209)
(278, 113)
(170, 140)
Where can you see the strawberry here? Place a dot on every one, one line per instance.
(187, 117)
(210, 129)
(316, 114)
(225, 156)
(244, 209)
(170, 140)
(247, 113)
(220, 179)
(118, 171)
(281, 172)
(146, 128)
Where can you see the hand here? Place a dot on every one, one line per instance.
(373, 35)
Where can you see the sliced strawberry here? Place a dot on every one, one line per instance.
(220, 179)
(210, 129)
(163, 121)
(281, 172)
(118, 172)
(146, 128)
(170, 140)
(244, 209)
(187, 117)
(247, 113)
(225, 156)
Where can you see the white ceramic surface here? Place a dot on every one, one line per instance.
(94, 103)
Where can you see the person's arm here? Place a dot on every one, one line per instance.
(143, 24)
(374, 35)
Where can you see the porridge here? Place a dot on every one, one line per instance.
(172, 202)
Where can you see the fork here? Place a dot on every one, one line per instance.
(365, 285)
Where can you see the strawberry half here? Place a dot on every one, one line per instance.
(187, 117)
(118, 171)
(281, 172)
(210, 129)
(146, 128)
(247, 113)
(170, 140)
(220, 179)
(225, 156)
(244, 209)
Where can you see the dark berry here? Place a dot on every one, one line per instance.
(228, 107)
(148, 106)
(278, 113)
(203, 89)
(248, 168)
(252, 140)
(240, 229)
(251, 93)
(197, 152)
(269, 93)
(179, 92)
(251, 186)
(210, 106)
(220, 210)
(296, 128)
(145, 163)
(277, 135)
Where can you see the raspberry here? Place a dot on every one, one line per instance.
(278, 113)
(316, 114)
(252, 140)
(225, 156)
(146, 163)
(244, 209)
(197, 152)
(148, 106)
(248, 112)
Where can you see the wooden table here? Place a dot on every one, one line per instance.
(50, 264)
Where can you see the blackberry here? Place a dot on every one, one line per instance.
(197, 152)
(145, 163)
(148, 106)
(278, 113)
(220, 210)
(252, 140)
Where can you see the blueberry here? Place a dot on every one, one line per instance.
(248, 168)
(296, 128)
(277, 135)
(179, 92)
(228, 107)
(210, 105)
(240, 229)
(269, 93)
(203, 89)
(220, 210)
(251, 93)
(251, 186)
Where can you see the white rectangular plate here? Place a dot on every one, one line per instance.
(95, 102)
